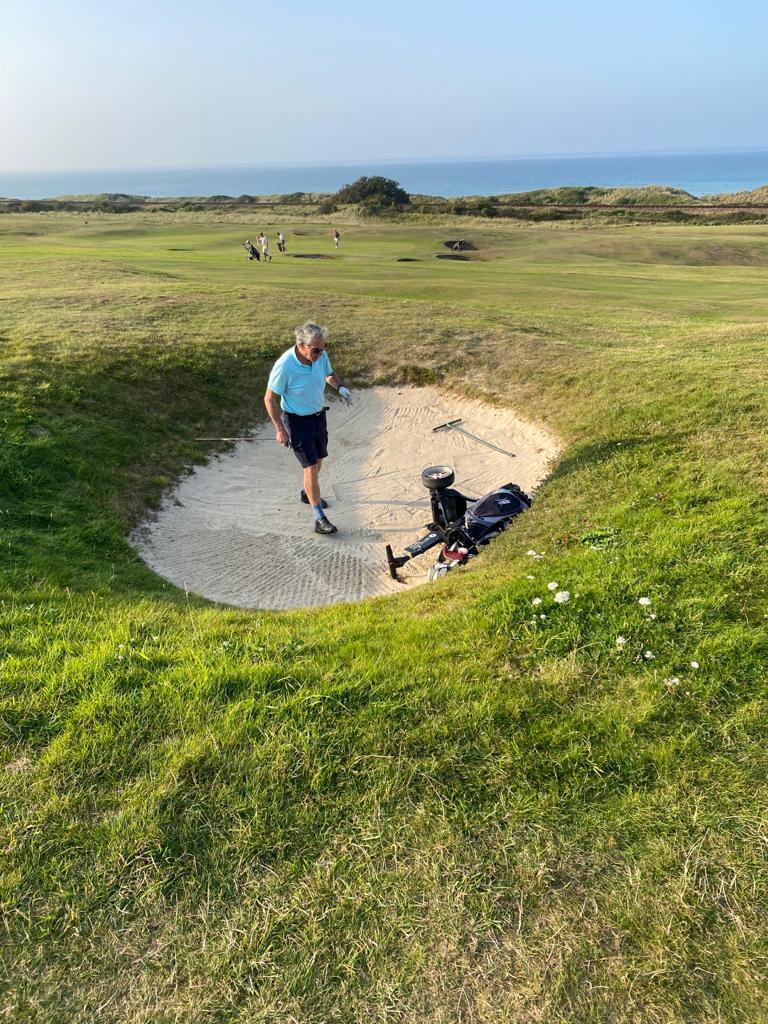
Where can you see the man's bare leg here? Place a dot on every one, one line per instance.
(312, 488)
(312, 483)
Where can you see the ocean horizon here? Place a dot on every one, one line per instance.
(701, 174)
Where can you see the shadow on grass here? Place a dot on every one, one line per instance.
(581, 456)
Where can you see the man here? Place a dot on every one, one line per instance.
(264, 242)
(298, 380)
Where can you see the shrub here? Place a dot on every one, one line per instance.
(375, 191)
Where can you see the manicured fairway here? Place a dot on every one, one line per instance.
(462, 804)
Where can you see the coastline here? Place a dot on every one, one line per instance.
(590, 204)
(699, 174)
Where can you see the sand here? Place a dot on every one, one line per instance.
(234, 530)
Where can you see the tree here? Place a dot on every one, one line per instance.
(374, 191)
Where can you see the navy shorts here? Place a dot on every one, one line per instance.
(308, 436)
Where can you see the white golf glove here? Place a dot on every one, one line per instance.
(345, 394)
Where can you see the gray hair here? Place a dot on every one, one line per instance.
(310, 330)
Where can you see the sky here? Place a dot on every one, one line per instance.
(87, 84)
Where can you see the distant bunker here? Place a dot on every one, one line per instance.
(451, 256)
(236, 532)
(312, 256)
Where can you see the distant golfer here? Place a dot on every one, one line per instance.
(264, 243)
(336, 237)
(298, 379)
(280, 241)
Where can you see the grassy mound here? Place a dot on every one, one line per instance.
(648, 195)
(578, 195)
(758, 196)
(473, 801)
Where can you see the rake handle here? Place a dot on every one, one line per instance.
(451, 425)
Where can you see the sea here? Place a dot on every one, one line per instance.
(701, 174)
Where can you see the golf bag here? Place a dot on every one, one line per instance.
(492, 513)
(460, 524)
(253, 252)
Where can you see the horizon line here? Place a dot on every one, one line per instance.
(385, 161)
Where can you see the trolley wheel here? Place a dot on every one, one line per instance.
(435, 478)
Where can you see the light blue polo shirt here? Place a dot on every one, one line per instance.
(300, 387)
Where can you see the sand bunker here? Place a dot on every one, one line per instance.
(235, 531)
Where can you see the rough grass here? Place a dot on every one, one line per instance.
(436, 808)
(646, 195)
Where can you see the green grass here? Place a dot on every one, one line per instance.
(440, 807)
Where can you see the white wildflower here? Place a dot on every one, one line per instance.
(694, 664)
(672, 682)
(648, 655)
(620, 641)
(552, 586)
(562, 596)
(542, 616)
(537, 600)
(644, 601)
(531, 553)
(530, 577)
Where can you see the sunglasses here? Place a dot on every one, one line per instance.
(315, 351)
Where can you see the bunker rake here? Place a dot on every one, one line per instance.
(454, 425)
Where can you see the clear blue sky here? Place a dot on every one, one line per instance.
(97, 85)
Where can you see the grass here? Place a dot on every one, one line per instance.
(441, 807)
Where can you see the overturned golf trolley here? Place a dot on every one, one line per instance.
(460, 525)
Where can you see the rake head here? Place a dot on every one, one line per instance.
(445, 426)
